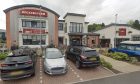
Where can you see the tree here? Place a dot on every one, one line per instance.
(130, 22)
(95, 27)
(136, 24)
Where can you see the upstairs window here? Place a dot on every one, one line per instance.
(76, 27)
(60, 26)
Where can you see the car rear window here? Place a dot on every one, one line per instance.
(90, 53)
(17, 59)
(53, 55)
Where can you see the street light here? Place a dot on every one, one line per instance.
(115, 30)
(40, 28)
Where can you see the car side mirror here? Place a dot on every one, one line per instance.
(43, 56)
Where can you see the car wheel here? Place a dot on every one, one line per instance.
(33, 74)
(78, 65)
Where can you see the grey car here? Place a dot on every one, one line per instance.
(54, 62)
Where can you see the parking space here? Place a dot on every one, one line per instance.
(73, 75)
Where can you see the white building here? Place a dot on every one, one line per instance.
(113, 34)
(72, 28)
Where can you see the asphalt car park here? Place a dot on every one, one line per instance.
(73, 75)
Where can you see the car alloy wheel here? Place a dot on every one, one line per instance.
(78, 65)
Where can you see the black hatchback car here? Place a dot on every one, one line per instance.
(18, 66)
(83, 56)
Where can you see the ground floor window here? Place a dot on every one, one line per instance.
(34, 39)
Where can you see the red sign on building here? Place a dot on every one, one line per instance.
(122, 32)
(33, 12)
(34, 31)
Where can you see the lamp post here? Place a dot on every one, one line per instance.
(40, 28)
(115, 30)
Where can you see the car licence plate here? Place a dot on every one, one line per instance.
(16, 72)
(92, 59)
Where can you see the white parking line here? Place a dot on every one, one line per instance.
(0, 79)
(41, 72)
(77, 75)
(81, 79)
(41, 81)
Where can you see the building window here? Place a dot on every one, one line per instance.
(33, 23)
(60, 26)
(136, 38)
(76, 27)
(34, 39)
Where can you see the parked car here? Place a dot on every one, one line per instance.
(83, 56)
(132, 48)
(54, 62)
(18, 66)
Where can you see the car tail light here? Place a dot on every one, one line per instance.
(29, 62)
(4, 65)
(83, 57)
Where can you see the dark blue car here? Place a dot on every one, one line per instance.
(132, 48)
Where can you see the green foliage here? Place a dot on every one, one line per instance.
(95, 27)
(133, 60)
(135, 24)
(106, 64)
(3, 55)
(120, 56)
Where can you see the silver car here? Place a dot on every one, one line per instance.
(54, 62)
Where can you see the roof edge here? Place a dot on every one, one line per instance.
(74, 14)
(30, 5)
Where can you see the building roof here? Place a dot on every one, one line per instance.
(61, 20)
(113, 24)
(2, 30)
(30, 5)
(86, 22)
(74, 14)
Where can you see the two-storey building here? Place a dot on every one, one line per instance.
(73, 30)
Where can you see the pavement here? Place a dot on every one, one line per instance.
(121, 66)
(123, 78)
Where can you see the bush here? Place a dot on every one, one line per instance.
(3, 55)
(133, 60)
(106, 64)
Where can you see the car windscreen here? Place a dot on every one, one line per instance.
(130, 47)
(17, 59)
(53, 55)
(90, 53)
(137, 48)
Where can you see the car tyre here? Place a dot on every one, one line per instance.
(33, 74)
(78, 65)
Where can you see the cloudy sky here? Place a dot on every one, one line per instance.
(97, 11)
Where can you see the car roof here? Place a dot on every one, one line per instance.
(130, 42)
(52, 49)
(84, 48)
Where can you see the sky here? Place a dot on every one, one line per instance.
(97, 11)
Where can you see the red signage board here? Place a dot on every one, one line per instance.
(122, 32)
(33, 12)
(33, 31)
